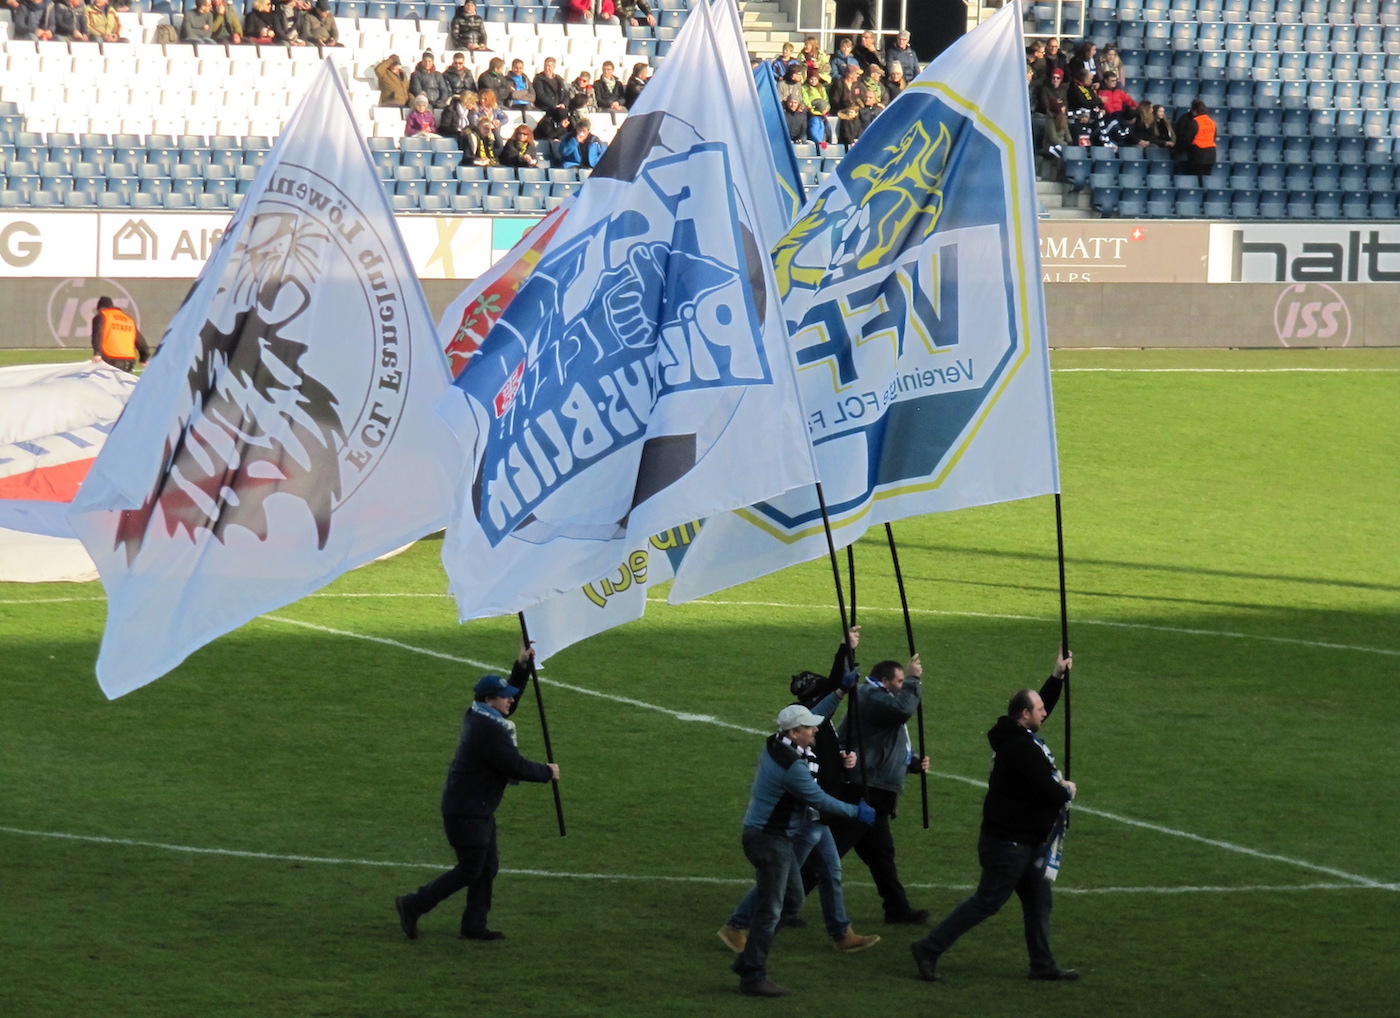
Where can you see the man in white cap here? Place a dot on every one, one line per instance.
(783, 793)
(485, 762)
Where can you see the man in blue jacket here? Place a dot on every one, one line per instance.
(486, 761)
(1025, 798)
(784, 796)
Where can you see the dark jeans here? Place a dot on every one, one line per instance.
(874, 846)
(773, 861)
(1007, 866)
(474, 841)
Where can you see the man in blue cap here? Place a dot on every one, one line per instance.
(485, 762)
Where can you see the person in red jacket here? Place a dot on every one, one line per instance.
(115, 337)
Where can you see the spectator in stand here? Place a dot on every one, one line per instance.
(459, 76)
(1110, 63)
(494, 78)
(864, 51)
(32, 19)
(582, 149)
(1035, 63)
(519, 150)
(848, 123)
(874, 84)
(791, 84)
(607, 90)
(1118, 107)
(1055, 57)
(898, 52)
(813, 89)
(284, 13)
(522, 94)
(627, 13)
(894, 83)
(103, 23)
(455, 121)
(814, 59)
(228, 25)
(427, 81)
(1084, 60)
(488, 110)
(783, 62)
(262, 29)
(818, 127)
(1195, 133)
(1056, 132)
(420, 120)
(632, 91)
(855, 13)
(553, 125)
(842, 92)
(551, 91)
(1085, 109)
(198, 26)
(392, 78)
(1162, 128)
(318, 27)
(795, 117)
(842, 58)
(468, 30)
(479, 144)
(1054, 94)
(582, 88)
(70, 21)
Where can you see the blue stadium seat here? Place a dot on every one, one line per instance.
(498, 204)
(403, 202)
(1327, 177)
(466, 203)
(503, 188)
(1300, 205)
(1246, 204)
(1327, 204)
(1160, 203)
(1356, 205)
(45, 199)
(1190, 203)
(1217, 204)
(475, 188)
(79, 199)
(212, 201)
(141, 201)
(1132, 174)
(1132, 203)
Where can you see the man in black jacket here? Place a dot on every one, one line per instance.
(486, 761)
(1025, 796)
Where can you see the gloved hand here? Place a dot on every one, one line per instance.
(849, 680)
(867, 813)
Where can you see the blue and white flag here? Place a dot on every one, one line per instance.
(286, 432)
(640, 376)
(912, 290)
(779, 140)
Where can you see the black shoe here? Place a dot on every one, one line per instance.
(1055, 975)
(408, 921)
(914, 917)
(927, 961)
(483, 935)
(795, 923)
(763, 988)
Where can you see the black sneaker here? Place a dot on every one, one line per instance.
(763, 988)
(927, 961)
(408, 920)
(483, 935)
(913, 917)
(1054, 975)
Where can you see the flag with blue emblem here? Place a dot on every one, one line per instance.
(626, 386)
(779, 140)
(912, 290)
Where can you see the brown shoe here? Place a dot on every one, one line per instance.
(853, 942)
(733, 938)
(763, 988)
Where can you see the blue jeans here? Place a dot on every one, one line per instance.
(828, 866)
(803, 842)
(1007, 867)
(773, 863)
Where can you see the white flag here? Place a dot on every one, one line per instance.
(286, 432)
(912, 290)
(640, 377)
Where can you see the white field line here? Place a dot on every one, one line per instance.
(1220, 633)
(234, 853)
(707, 719)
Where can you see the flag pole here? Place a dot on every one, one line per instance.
(544, 724)
(1064, 622)
(851, 571)
(909, 635)
(845, 630)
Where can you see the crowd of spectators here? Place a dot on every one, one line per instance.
(1083, 99)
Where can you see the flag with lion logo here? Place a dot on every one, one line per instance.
(912, 291)
(285, 431)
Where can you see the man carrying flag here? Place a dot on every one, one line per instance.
(1025, 797)
(485, 762)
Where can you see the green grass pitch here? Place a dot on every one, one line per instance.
(229, 840)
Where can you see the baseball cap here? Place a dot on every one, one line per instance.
(494, 685)
(797, 716)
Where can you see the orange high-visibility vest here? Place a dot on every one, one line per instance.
(1205, 132)
(118, 335)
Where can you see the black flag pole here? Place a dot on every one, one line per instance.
(544, 724)
(1064, 622)
(851, 572)
(845, 628)
(909, 635)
